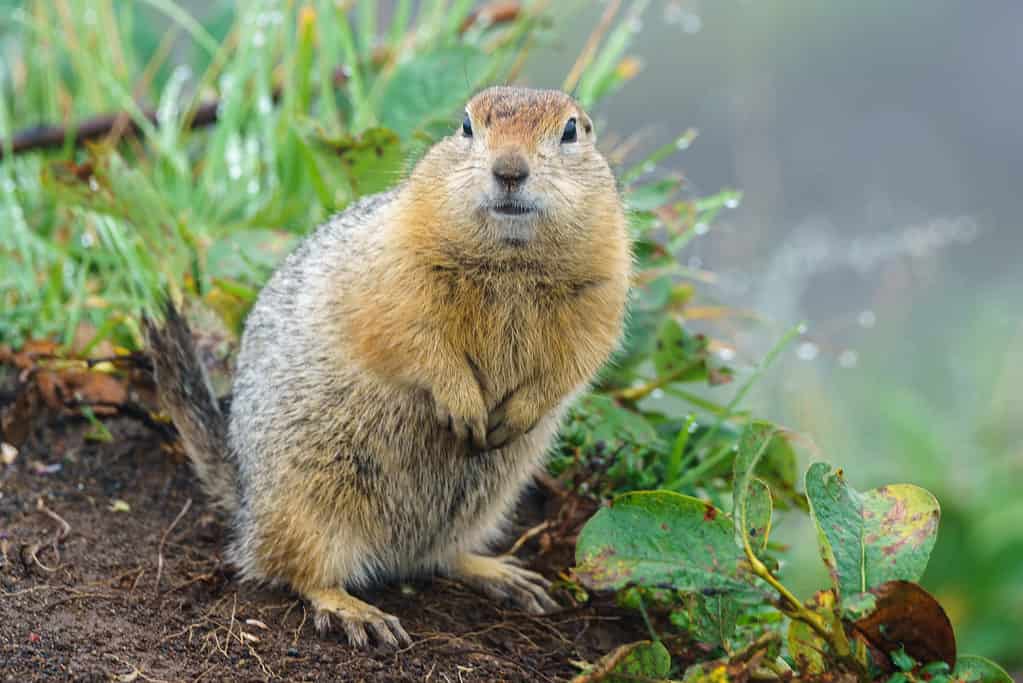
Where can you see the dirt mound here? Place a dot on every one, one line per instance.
(112, 569)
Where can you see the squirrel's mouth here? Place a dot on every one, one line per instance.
(512, 207)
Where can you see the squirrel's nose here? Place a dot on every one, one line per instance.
(511, 169)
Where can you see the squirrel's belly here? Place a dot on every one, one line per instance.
(459, 502)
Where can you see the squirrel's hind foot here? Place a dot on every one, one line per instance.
(357, 618)
(501, 578)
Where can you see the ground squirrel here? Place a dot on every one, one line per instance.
(403, 372)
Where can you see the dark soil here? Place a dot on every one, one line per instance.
(88, 605)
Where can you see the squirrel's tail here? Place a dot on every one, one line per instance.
(187, 395)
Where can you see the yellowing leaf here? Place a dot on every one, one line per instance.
(869, 538)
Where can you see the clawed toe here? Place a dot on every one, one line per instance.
(502, 579)
(357, 619)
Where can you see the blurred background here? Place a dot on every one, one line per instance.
(878, 148)
(875, 145)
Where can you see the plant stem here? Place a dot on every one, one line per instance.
(786, 339)
(696, 473)
(634, 394)
(832, 634)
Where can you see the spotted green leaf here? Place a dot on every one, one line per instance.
(758, 515)
(660, 538)
(752, 499)
(372, 160)
(710, 619)
(680, 354)
(869, 538)
(642, 660)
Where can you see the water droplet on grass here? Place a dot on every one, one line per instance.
(807, 351)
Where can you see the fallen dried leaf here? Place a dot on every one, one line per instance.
(104, 391)
(119, 506)
(8, 453)
(908, 616)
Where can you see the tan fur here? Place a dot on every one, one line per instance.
(561, 297)
(403, 373)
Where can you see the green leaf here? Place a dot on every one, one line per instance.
(431, 86)
(758, 515)
(650, 196)
(373, 160)
(753, 444)
(779, 468)
(806, 647)
(869, 538)
(611, 423)
(660, 538)
(711, 619)
(976, 669)
(642, 660)
(250, 254)
(857, 607)
(902, 660)
(679, 353)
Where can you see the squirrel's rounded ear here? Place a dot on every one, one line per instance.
(587, 125)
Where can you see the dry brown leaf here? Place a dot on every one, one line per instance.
(58, 388)
(908, 616)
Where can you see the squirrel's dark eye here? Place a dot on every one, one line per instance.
(570, 134)
(467, 127)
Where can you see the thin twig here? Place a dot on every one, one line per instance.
(135, 672)
(62, 532)
(230, 626)
(605, 666)
(163, 541)
(298, 631)
(30, 555)
(528, 534)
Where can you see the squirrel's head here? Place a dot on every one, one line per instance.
(521, 168)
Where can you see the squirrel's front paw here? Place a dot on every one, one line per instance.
(467, 425)
(509, 420)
